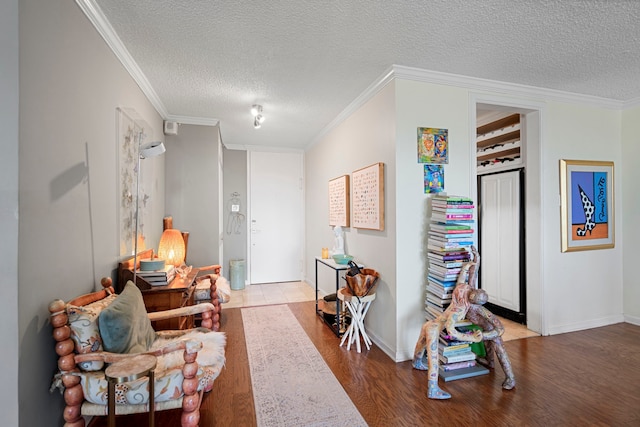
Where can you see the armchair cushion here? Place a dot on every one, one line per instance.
(168, 372)
(124, 324)
(168, 386)
(83, 321)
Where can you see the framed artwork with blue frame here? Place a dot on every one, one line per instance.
(587, 205)
(433, 178)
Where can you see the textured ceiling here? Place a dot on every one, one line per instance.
(305, 61)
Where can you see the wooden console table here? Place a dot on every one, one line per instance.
(178, 293)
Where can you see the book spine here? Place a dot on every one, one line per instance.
(458, 358)
(458, 365)
(454, 351)
(448, 215)
(451, 207)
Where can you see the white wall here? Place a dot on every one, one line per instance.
(582, 289)
(9, 209)
(366, 137)
(630, 177)
(192, 189)
(423, 105)
(70, 86)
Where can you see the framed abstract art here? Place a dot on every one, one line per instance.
(433, 145)
(587, 205)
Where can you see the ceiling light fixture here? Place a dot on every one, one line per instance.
(258, 118)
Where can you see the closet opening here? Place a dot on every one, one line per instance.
(501, 203)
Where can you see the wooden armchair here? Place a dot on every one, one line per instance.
(188, 361)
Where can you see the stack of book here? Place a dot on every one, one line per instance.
(457, 358)
(448, 247)
(158, 277)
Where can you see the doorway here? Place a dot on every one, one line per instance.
(489, 108)
(276, 217)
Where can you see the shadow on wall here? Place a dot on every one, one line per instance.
(67, 181)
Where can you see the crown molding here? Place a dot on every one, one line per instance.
(366, 95)
(511, 89)
(104, 28)
(187, 120)
(476, 84)
(632, 103)
(260, 148)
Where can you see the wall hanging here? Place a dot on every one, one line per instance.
(587, 211)
(367, 197)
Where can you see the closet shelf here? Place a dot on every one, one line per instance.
(498, 145)
(500, 139)
(512, 152)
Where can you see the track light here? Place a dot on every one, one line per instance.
(258, 118)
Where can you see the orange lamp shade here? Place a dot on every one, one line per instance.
(171, 248)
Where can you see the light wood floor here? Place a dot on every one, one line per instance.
(586, 378)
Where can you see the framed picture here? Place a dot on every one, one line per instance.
(433, 179)
(367, 197)
(587, 205)
(339, 201)
(433, 145)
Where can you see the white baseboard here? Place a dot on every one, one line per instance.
(634, 320)
(589, 324)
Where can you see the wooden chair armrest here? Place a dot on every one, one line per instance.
(182, 311)
(190, 346)
(215, 267)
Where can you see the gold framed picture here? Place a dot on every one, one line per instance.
(586, 205)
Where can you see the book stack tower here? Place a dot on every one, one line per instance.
(449, 246)
(158, 277)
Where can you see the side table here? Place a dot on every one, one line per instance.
(358, 307)
(329, 262)
(128, 370)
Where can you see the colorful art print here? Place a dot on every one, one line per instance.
(433, 178)
(433, 145)
(587, 210)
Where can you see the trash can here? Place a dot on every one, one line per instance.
(237, 274)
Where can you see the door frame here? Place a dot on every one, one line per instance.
(535, 113)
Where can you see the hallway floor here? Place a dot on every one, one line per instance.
(270, 293)
(288, 292)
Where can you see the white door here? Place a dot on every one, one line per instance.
(276, 217)
(500, 239)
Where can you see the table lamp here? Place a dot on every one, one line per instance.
(172, 248)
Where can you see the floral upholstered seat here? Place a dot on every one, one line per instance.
(100, 328)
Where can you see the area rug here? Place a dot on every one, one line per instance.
(292, 384)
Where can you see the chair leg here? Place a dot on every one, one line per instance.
(191, 399)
